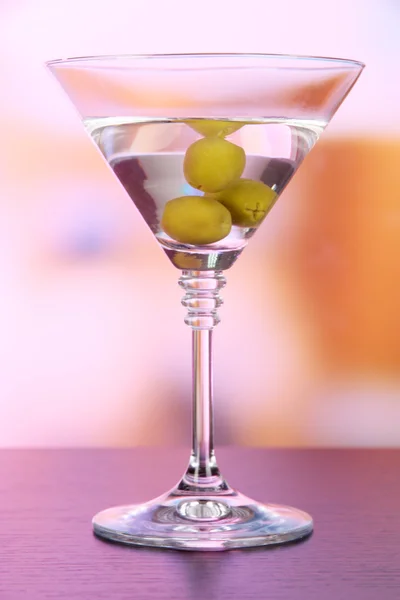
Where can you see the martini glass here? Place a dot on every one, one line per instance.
(204, 145)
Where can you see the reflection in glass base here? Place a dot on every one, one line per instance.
(202, 523)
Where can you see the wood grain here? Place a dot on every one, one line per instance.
(47, 550)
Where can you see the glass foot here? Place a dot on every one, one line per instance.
(202, 523)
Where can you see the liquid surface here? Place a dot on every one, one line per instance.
(148, 158)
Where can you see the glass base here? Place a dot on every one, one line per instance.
(215, 522)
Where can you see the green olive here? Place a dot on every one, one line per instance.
(214, 127)
(211, 164)
(248, 201)
(196, 220)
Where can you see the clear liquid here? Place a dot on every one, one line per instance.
(147, 157)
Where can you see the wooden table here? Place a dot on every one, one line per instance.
(47, 550)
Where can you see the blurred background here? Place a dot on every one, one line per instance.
(93, 348)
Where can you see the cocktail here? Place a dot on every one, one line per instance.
(204, 145)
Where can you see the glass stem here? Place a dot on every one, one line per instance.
(202, 300)
(202, 460)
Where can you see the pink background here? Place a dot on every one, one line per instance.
(93, 349)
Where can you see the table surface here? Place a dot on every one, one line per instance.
(47, 550)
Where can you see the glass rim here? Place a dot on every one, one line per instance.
(198, 55)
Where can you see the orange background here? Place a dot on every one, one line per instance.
(93, 349)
